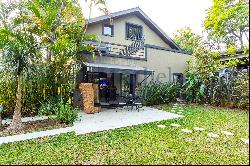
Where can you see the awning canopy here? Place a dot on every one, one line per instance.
(112, 68)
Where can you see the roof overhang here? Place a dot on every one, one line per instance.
(138, 12)
(112, 68)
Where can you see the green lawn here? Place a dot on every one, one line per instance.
(144, 144)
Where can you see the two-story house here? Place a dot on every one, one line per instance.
(133, 51)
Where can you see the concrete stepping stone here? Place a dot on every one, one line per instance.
(175, 125)
(227, 133)
(246, 141)
(173, 111)
(199, 129)
(179, 112)
(186, 131)
(212, 135)
(161, 126)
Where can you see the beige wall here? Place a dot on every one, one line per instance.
(164, 63)
(119, 32)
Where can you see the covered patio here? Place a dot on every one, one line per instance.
(114, 81)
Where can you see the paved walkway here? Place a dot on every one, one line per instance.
(105, 120)
(110, 119)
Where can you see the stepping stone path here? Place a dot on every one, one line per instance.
(246, 141)
(175, 125)
(161, 126)
(198, 129)
(213, 135)
(227, 133)
(186, 131)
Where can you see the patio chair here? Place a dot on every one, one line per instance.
(121, 102)
(138, 103)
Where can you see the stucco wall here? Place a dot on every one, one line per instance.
(164, 63)
(119, 32)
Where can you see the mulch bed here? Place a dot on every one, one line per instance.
(28, 127)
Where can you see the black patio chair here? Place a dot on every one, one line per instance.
(120, 102)
(134, 101)
(138, 103)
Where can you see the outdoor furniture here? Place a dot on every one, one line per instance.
(121, 102)
(134, 101)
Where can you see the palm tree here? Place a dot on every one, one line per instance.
(19, 51)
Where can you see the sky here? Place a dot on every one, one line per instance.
(169, 15)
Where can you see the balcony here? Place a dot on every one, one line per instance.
(136, 50)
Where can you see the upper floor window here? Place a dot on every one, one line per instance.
(108, 30)
(133, 32)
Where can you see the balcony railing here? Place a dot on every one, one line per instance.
(134, 51)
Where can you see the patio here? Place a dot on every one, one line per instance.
(110, 119)
(107, 119)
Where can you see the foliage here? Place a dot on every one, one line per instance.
(65, 113)
(194, 88)
(240, 92)
(143, 144)
(44, 39)
(228, 21)
(19, 51)
(159, 93)
(187, 39)
(50, 107)
(7, 90)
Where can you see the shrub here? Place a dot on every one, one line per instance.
(66, 113)
(49, 107)
(159, 93)
(240, 92)
(194, 88)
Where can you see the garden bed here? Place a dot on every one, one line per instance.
(27, 127)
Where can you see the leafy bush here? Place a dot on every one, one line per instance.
(194, 88)
(159, 93)
(240, 92)
(49, 107)
(62, 110)
(65, 113)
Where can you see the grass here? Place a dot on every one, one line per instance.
(144, 144)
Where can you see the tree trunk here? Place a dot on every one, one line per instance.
(17, 122)
(241, 41)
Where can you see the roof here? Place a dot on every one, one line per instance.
(113, 68)
(138, 12)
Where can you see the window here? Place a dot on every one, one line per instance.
(178, 78)
(133, 32)
(108, 30)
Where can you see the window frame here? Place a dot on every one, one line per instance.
(126, 30)
(110, 26)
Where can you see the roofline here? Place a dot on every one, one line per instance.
(144, 17)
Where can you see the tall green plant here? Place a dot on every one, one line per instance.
(159, 93)
(19, 53)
